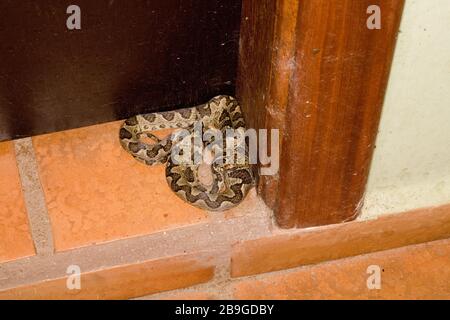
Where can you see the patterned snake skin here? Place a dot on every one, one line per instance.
(231, 180)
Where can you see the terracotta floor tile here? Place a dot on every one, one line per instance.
(415, 272)
(15, 237)
(124, 282)
(96, 192)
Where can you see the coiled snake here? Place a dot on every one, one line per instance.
(231, 180)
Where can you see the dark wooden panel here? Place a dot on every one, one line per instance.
(130, 56)
(324, 88)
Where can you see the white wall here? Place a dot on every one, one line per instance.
(411, 165)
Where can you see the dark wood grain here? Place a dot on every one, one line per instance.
(130, 56)
(323, 85)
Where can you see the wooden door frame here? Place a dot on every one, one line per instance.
(315, 71)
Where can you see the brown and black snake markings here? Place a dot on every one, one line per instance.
(231, 180)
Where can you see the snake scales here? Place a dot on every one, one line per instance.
(231, 181)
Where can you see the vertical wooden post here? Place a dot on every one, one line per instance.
(314, 70)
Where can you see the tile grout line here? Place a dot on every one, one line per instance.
(219, 286)
(33, 193)
(214, 237)
(227, 287)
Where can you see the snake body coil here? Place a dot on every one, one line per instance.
(231, 180)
